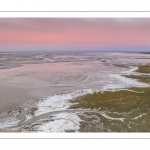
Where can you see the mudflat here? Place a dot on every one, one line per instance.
(132, 105)
(21, 79)
(84, 94)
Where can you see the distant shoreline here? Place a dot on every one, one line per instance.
(69, 52)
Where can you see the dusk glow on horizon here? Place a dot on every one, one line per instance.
(75, 34)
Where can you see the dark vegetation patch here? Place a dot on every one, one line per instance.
(131, 104)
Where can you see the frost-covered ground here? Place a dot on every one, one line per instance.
(84, 74)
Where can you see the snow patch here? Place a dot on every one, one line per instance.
(127, 82)
(124, 82)
(59, 102)
(8, 123)
(62, 122)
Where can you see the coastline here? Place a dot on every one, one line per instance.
(131, 104)
(80, 110)
(88, 106)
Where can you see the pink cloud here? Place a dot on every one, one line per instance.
(100, 32)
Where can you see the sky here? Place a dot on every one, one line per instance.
(74, 34)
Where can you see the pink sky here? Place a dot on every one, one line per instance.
(74, 34)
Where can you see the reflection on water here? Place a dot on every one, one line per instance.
(76, 75)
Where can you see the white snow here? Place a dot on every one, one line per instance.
(62, 122)
(139, 116)
(123, 82)
(131, 70)
(129, 82)
(70, 121)
(59, 102)
(8, 123)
